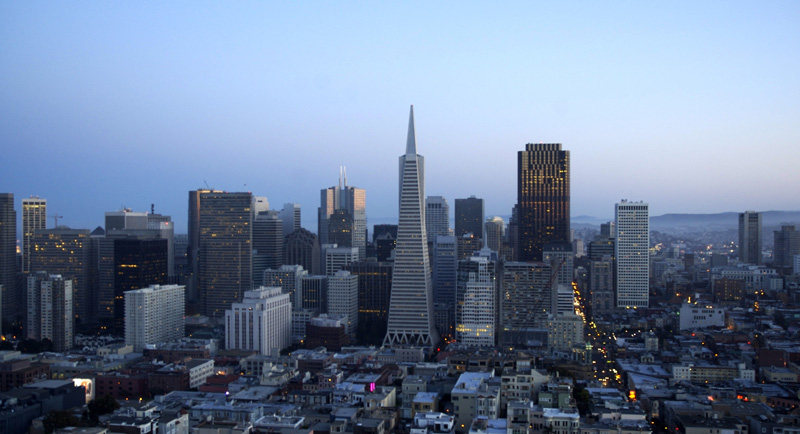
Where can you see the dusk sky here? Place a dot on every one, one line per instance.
(693, 107)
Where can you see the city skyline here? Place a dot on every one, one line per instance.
(214, 95)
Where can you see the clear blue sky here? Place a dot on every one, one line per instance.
(690, 106)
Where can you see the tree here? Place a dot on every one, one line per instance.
(102, 405)
(59, 419)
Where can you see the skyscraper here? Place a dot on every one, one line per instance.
(351, 201)
(49, 309)
(34, 216)
(301, 247)
(469, 216)
(411, 306)
(343, 299)
(543, 199)
(261, 322)
(494, 230)
(225, 249)
(445, 258)
(437, 217)
(267, 244)
(476, 300)
(632, 253)
(8, 258)
(787, 245)
(525, 301)
(750, 238)
(374, 286)
(290, 216)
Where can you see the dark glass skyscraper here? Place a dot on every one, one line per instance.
(469, 216)
(9, 301)
(542, 199)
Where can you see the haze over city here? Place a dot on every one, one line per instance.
(690, 107)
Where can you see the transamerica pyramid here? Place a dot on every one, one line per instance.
(411, 305)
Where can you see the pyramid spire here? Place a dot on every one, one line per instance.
(411, 142)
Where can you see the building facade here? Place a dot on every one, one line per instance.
(261, 322)
(9, 298)
(750, 241)
(154, 314)
(411, 306)
(543, 199)
(437, 217)
(469, 216)
(343, 299)
(34, 217)
(49, 308)
(476, 300)
(632, 253)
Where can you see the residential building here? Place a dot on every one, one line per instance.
(49, 309)
(154, 314)
(526, 297)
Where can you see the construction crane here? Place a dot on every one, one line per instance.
(55, 219)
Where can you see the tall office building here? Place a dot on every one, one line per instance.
(632, 253)
(494, 229)
(138, 263)
(750, 241)
(267, 244)
(9, 297)
(561, 259)
(301, 247)
(437, 217)
(543, 199)
(67, 252)
(411, 307)
(49, 308)
(313, 293)
(34, 217)
(338, 257)
(601, 285)
(225, 250)
(476, 300)
(445, 259)
(261, 322)
(288, 278)
(374, 287)
(343, 299)
(787, 245)
(290, 216)
(526, 298)
(163, 226)
(469, 216)
(154, 314)
(352, 201)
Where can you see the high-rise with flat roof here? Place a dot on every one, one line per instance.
(34, 217)
(476, 300)
(49, 307)
(343, 299)
(437, 217)
(494, 230)
(750, 238)
(411, 307)
(526, 297)
(543, 199)
(632, 253)
(469, 216)
(374, 287)
(787, 246)
(267, 244)
(225, 250)
(261, 322)
(67, 252)
(154, 314)
(9, 299)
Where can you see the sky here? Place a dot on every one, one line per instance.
(693, 107)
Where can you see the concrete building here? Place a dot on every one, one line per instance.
(313, 292)
(154, 314)
(49, 309)
(289, 278)
(301, 247)
(565, 332)
(337, 257)
(473, 395)
(267, 244)
(261, 322)
(632, 253)
(601, 285)
(34, 217)
(290, 217)
(445, 259)
(411, 307)
(526, 297)
(750, 241)
(437, 217)
(543, 199)
(694, 316)
(561, 258)
(343, 299)
(787, 246)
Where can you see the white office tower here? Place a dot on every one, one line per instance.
(343, 299)
(49, 308)
(632, 253)
(154, 314)
(288, 277)
(411, 305)
(337, 257)
(437, 217)
(476, 301)
(290, 216)
(261, 322)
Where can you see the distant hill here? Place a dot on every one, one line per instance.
(720, 221)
